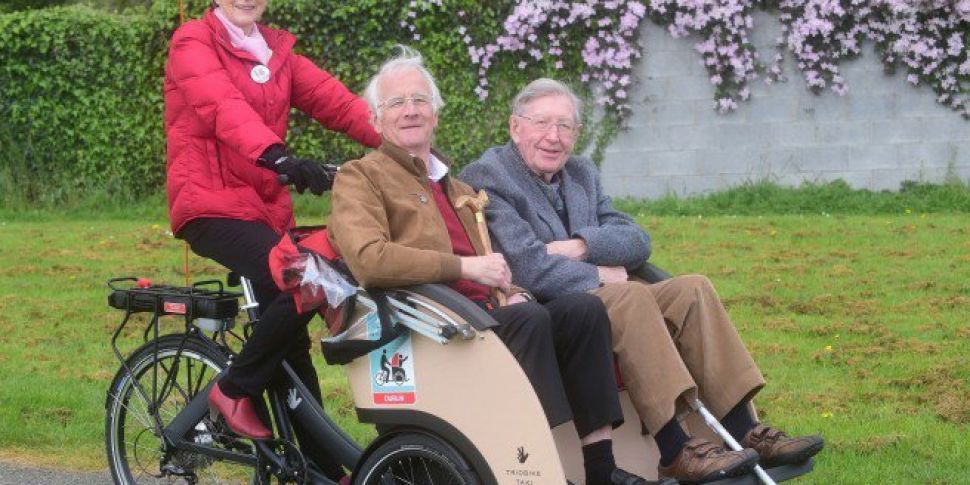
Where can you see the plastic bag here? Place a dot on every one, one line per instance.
(302, 264)
(321, 283)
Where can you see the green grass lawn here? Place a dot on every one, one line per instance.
(860, 324)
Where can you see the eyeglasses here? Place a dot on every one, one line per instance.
(565, 129)
(418, 100)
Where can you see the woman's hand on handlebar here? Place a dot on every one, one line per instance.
(302, 173)
(329, 170)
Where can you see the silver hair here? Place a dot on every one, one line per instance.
(408, 59)
(541, 88)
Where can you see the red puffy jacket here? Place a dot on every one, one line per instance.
(218, 121)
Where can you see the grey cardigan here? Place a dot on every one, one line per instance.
(521, 221)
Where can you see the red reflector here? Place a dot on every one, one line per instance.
(170, 307)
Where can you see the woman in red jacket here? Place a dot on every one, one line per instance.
(229, 87)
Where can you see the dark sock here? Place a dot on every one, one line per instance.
(231, 390)
(670, 439)
(738, 421)
(599, 462)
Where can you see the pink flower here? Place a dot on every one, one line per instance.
(926, 37)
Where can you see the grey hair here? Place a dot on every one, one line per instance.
(541, 88)
(408, 59)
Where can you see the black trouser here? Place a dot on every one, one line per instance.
(564, 348)
(243, 247)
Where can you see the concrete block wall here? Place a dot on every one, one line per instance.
(880, 134)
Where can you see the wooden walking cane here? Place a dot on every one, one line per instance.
(477, 205)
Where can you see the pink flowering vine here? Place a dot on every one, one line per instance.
(407, 24)
(537, 30)
(725, 50)
(927, 37)
(609, 50)
(820, 34)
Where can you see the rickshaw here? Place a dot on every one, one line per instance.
(463, 411)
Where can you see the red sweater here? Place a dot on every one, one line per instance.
(461, 245)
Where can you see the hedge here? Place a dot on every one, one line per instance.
(15, 5)
(81, 89)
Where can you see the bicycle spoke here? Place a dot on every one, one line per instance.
(144, 420)
(171, 381)
(402, 480)
(427, 471)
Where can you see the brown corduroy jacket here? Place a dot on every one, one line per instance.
(386, 225)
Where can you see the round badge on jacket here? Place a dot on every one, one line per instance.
(260, 74)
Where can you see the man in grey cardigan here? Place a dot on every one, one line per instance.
(673, 339)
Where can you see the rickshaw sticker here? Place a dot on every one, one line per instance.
(392, 372)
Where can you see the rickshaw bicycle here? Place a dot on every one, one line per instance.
(439, 430)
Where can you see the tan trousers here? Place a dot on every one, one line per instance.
(673, 340)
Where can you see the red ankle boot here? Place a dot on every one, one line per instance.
(240, 414)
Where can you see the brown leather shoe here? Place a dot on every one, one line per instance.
(702, 461)
(777, 448)
(240, 414)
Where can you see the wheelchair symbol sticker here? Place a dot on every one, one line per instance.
(392, 368)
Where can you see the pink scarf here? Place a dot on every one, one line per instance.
(253, 43)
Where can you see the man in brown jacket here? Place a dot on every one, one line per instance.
(395, 223)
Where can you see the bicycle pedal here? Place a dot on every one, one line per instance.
(170, 469)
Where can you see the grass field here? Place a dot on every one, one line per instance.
(860, 324)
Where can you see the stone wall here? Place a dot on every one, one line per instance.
(882, 133)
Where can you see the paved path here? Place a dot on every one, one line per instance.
(16, 474)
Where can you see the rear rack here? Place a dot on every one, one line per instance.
(205, 299)
(205, 305)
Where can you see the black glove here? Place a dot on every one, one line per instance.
(301, 172)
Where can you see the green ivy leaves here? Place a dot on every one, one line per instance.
(77, 90)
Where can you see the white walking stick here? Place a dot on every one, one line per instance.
(729, 440)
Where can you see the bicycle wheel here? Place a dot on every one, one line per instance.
(381, 378)
(137, 454)
(415, 459)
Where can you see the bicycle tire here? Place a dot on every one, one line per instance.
(418, 459)
(381, 378)
(135, 452)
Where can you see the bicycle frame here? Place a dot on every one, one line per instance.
(299, 408)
